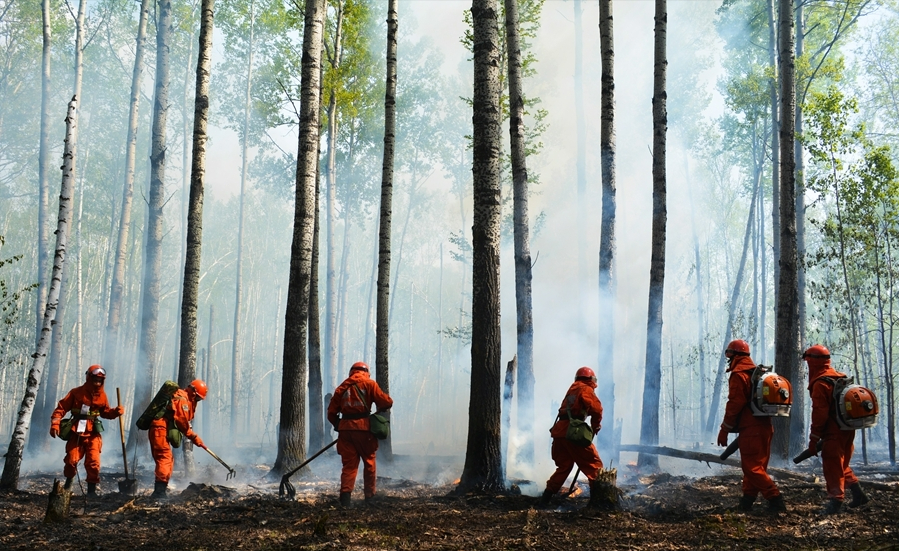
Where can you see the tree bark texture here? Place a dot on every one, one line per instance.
(652, 377)
(786, 346)
(292, 433)
(187, 363)
(607, 146)
(117, 291)
(774, 95)
(316, 406)
(797, 417)
(520, 221)
(382, 309)
(43, 236)
(9, 480)
(581, 155)
(143, 391)
(483, 458)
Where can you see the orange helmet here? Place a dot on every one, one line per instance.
(585, 373)
(738, 347)
(96, 371)
(817, 351)
(359, 365)
(199, 387)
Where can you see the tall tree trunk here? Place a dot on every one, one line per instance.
(143, 391)
(9, 480)
(117, 291)
(523, 309)
(330, 288)
(238, 287)
(797, 417)
(580, 160)
(316, 407)
(483, 457)
(187, 365)
(292, 433)
(700, 305)
(43, 234)
(652, 378)
(607, 146)
(774, 97)
(786, 346)
(382, 331)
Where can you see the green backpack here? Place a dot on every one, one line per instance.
(158, 406)
(579, 432)
(378, 424)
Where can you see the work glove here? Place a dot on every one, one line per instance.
(813, 444)
(54, 431)
(198, 442)
(119, 411)
(335, 425)
(722, 437)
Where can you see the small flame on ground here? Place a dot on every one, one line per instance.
(577, 491)
(457, 481)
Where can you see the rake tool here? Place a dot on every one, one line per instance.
(129, 485)
(231, 472)
(286, 486)
(573, 482)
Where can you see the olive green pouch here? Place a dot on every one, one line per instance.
(65, 428)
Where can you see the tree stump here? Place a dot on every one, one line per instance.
(58, 507)
(604, 493)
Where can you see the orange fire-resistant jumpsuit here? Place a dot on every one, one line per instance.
(86, 443)
(755, 432)
(179, 414)
(838, 444)
(352, 400)
(582, 402)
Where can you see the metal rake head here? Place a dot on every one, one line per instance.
(286, 488)
(231, 474)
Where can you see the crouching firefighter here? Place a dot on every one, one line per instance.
(572, 438)
(82, 430)
(754, 432)
(348, 412)
(167, 431)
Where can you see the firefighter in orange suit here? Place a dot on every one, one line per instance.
(580, 401)
(837, 445)
(87, 403)
(179, 413)
(348, 412)
(755, 433)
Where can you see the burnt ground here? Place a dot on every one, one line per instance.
(660, 512)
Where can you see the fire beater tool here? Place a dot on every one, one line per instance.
(286, 486)
(730, 449)
(129, 485)
(231, 472)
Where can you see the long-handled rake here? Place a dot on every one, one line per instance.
(231, 472)
(286, 486)
(129, 485)
(573, 482)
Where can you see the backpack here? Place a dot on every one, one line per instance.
(579, 432)
(855, 405)
(771, 394)
(378, 424)
(158, 406)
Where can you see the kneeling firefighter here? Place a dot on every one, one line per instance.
(580, 402)
(82, 431)
(167, 431)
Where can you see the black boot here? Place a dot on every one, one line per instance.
(92, 489)
(776, 505)
(859, 497)
(68, 484)
(345, 500)
(545, 498)
(832, 507)
(159, 489)
(746, 502)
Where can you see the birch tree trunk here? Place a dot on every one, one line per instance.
(317, 429)
(43, 235)
(797, 417)
(607, 147)
(483, 458)
(292, 434)
(187, 364)
(244, 163)
(146, 365)
(774, 95)
(652, 378)
(581, 158)
(786, 346)
(9, 480)
(382, 331)
(524, 313)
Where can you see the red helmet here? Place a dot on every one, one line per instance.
(359, 365)
(96, 371)
(199, 387)
(585, 373)
(817, 351)
(738, 347)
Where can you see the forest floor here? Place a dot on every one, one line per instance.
(660, 511)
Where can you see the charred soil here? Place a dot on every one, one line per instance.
(659, 512)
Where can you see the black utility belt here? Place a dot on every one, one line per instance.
(351, 416)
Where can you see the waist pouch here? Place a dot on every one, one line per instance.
(173, 435)
(379, 426)
(579, 433)
(65, 428)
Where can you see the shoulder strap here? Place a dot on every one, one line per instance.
(364, 397)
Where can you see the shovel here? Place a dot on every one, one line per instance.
(286, 486)
(231, 472)
(129, 485)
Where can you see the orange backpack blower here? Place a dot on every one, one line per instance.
(772, 395)
(856, 405)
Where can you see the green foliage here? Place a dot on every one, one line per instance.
(10, 300)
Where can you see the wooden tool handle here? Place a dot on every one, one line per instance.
(118, 395)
